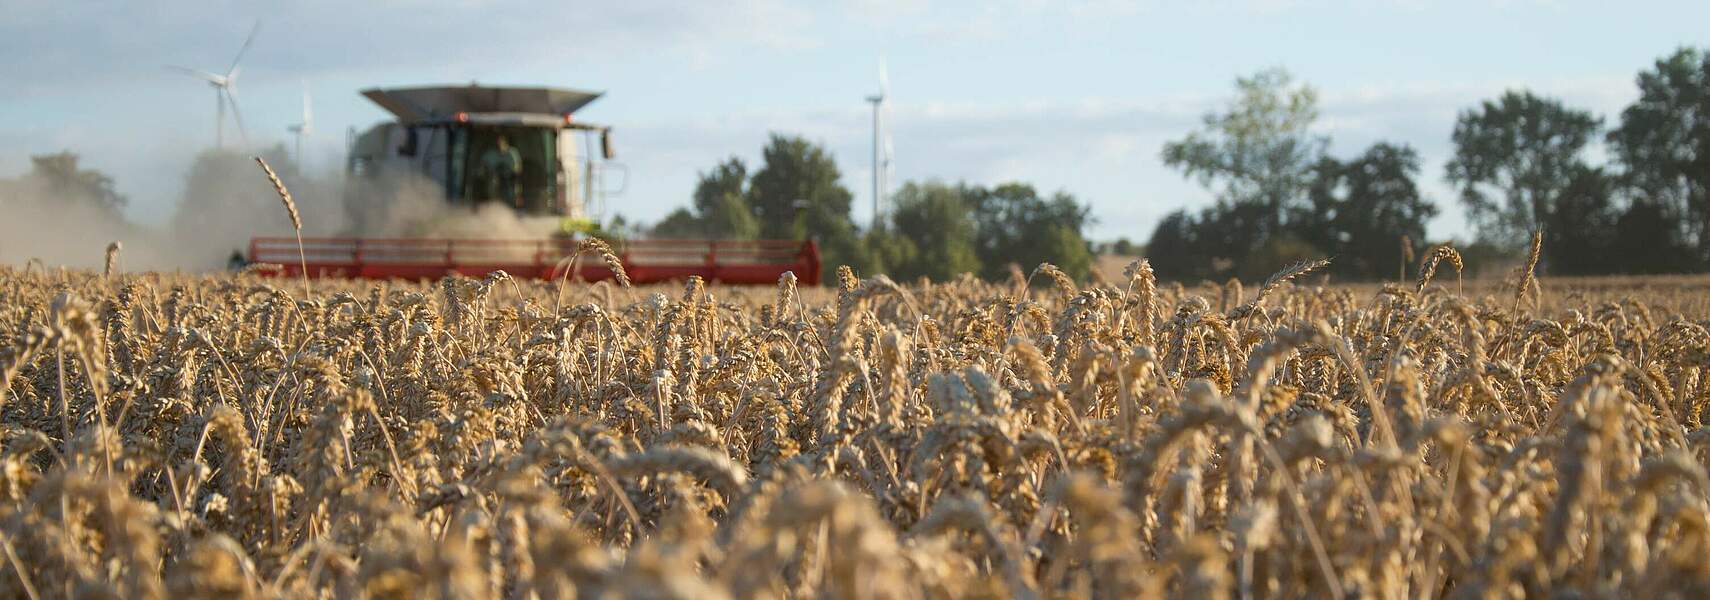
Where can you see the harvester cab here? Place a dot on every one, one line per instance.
(519, 146)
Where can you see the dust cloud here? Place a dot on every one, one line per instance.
(36, 227)
(413, 206)
(226, 201)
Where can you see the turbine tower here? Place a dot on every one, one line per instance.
(225, 86)
(303, 128)
(881, 143)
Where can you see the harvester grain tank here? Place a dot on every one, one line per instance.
(521, 147)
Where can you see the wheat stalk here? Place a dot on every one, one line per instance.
(112, 259)
(467, 437)
(1277, 279)
(1429, 268)
(296, 219)
(1528, 273)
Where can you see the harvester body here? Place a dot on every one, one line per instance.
(442, 134)
(445, 143)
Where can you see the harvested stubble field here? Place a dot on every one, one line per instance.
(238, 436)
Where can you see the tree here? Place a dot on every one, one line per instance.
(1645, 241)
(1061, 244)
(719, 210)
(720, 198)
(884, 250)
(59, 177)
(1174, 249)
(1579, 232)
(1016, 225)
(1361, 208)
(1663, 143)
(796, 194)
(934, 219)
(729, 178)
(1231, 236)
(1124, 247)
(63, 214)
(1513, 158)
(620, 227)
(1257, 153)
(681, 223)
(730, 218)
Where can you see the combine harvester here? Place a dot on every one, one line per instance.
(446, 139)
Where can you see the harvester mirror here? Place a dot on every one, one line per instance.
(606, 144)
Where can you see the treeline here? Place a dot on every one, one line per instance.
(223, 204)
(61, 176)
(931, 229)
(1520, 165)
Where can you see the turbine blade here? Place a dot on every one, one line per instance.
(237, 116)
(232, 71)
(199, 74)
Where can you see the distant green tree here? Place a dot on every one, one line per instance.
(1514, 156)
(1061, 244)
(1230, 235)
(729, 178)
(719, 209)
(60, 177)
(1016, 225)
(1646, 241)
(936, 221)
(722, 203)
(1175, 250)
(884, 250)
(1257, 154)
(731, 218)
(680, 223)
(1123, 247)
(1663, 141)
(620, 227)
(1359, 210)
(796, 194)
(1581, 226)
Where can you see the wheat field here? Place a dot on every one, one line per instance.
(243, 436)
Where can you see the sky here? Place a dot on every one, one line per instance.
(1069, 96)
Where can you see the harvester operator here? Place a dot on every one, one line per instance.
(501, 170)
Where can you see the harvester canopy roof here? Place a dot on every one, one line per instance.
(444, 102)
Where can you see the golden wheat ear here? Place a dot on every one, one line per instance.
(296, 218)
(112, 260)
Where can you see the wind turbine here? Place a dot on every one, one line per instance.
(881, 141)
(224, 91)
(303, 128)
